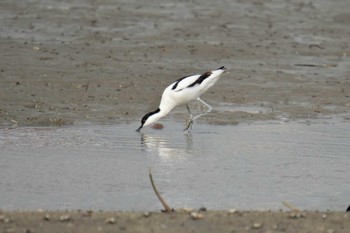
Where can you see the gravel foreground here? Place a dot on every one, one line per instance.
(180, 221)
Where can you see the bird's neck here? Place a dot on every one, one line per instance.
(163, 112)
(164, 109)
(157, 116)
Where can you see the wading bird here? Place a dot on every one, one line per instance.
(182, 92)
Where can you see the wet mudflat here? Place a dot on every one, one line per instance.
(68, 62)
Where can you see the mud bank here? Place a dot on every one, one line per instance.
(87, 61)
(208, 221)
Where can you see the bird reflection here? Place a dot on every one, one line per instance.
(166, 148)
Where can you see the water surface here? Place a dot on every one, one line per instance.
(246, 166)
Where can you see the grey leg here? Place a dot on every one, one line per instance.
(190, 121)
(189, 125)
(207, 105)
(189, 111)
(204, 113)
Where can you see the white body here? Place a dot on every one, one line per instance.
(183, 94)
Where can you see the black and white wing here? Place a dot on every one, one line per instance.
(189, 81)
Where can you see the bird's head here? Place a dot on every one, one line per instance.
(148, 119)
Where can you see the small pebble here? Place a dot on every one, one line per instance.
(257, 225)
(64, 218)
(146, 214)
(324, 216)
(232, 211)
(4, 219)
(111, 220)
(47, 217)
(196, 215)
(296, 215)
(187, 210)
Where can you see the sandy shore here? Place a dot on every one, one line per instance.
(64, 62)
(208, 221)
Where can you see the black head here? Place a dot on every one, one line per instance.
(143, 120)
(145, 117)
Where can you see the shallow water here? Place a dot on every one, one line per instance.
(254, 166)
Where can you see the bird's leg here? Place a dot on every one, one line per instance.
(207, 105)
(188, 126)
(193, 118)
(189, 111)
(204, 113)
(190, 121)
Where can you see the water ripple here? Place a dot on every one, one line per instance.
(244, 166)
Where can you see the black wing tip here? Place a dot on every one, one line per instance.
(222, 68)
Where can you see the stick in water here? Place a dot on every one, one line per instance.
(165, 205)
(293, 208)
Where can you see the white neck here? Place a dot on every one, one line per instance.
(157, 116)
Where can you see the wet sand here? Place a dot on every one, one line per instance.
(79, 62)
(107, 63)
(183, 221)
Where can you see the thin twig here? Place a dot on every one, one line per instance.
(315, 65)
(289, 206)
(309, 65)
(165, 205)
